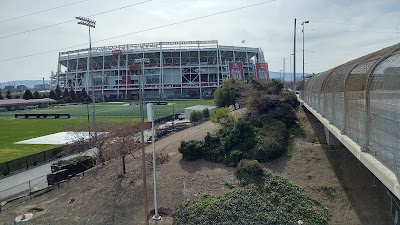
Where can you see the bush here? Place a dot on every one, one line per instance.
(61, 101)
(195, 116)
(191, 150)
(283, 112)
(206, 113)
(233, 158)
(271, 141)
(250, 171)
(223, 116)
(68, 99)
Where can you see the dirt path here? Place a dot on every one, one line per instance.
(102, 196)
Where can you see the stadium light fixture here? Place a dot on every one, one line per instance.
(89, 23)
(304, 81)
(294, 56)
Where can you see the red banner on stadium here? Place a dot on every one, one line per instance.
(236, 70)
(262, 71)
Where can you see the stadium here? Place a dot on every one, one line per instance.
(182, 69)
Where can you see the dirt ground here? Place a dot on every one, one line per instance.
(334, 178)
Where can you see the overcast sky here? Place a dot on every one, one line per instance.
(339, 30)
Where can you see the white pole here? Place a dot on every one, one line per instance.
(150, 117)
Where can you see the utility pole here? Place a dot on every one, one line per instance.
(283, 71)
(303, 50)
(294, 58)
(90, 23)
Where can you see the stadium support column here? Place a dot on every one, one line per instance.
(126, 76)
(76, 72)
(58, 70)
(118, 61)
(199, 70)
(102, 78)
(218, 64)
(161, 77)
(180, 66)
(67, 70)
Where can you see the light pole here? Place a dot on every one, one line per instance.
(150, 117)
(303, 49)
(290, 67)
(294, 58)
(139, 68)
(89, 23)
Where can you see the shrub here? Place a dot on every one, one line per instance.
(206, 113)
(223, 116)
(283, 112)
(194, 116)
(250, 171)
(191, 150)
(233, 158)
(271, 141)
(68, 99)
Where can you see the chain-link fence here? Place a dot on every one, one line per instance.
(22, 191)
(362, 99)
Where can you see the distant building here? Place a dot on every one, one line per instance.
(22, 88)
(39, 87)
(10, 88)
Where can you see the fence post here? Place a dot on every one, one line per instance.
(30, 193)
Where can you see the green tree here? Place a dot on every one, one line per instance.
(65, 94)
(206, 113)
(17, 96)
(229, 93)
(8, 94)
(83, 94)
(36, 95)
(68, 99)
(1, 95)
(53, 95)
(194, 116)
(27, 95)
(223, 116)
(73, 95)
(58, 93)
(44, 96)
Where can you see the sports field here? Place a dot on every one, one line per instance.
(117, 109)
(13, 130)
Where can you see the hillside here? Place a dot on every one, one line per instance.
(334, 179)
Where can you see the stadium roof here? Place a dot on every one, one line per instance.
(6, 102)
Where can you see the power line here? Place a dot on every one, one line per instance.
(142, 31)
(68, 21)
(361, 31)
(42, 11)
(356, 25)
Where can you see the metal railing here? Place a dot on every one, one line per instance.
(362, 99)
(22, 191)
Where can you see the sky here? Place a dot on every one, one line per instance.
(338, 30)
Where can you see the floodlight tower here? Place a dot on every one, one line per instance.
(89, 23)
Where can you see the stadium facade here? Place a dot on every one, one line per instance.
(179, 69)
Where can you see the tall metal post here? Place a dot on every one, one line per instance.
(150, 116)
(304, 81)
(283, 71)
(93, 97)
(146, 209)
(294, 58)
(89, 23)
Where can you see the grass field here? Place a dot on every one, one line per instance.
(14, 130)
(120, 109)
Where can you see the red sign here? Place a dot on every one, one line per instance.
(116, 52)
(262, 71)
(236, 70)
